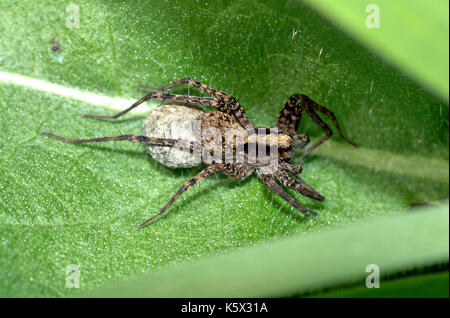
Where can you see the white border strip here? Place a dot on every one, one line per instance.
(86, 97)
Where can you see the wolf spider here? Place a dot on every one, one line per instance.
(230, 113)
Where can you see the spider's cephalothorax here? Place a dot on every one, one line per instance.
(182, 135)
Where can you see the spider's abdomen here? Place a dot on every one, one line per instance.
(171, 121)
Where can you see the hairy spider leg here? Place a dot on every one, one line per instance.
(331, 115)
(299, 185)
(186, 186)
(238, 171)
(132, 138)
(324, 126)
(230, 105)
(205, 101)
(291, 114)
(291, 169)
(270, 182)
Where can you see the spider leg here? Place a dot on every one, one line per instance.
(205, 101)
(291, 169)
(323, 125)
(229, 104)
(331, 115)
(291, 114)
(238, 171)
(299, 185)
(132, 138)
(190, 82)
(186, 186)
(270, 182)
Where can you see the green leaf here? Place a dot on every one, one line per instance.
(411, 34)
(63, 204)
(300, 264)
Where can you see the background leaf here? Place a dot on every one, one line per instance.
(61, 204)
(411, 34)
(279, 268)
